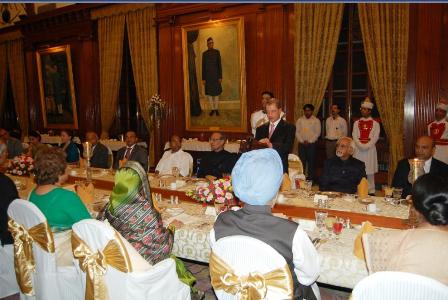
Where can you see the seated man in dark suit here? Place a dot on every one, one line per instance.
(9, 194)
(132, 151)
(100, 153)
(219, 161)
(343, 172)
(277, 133)
(424, 149)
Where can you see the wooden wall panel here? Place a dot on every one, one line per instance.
(427, 68)
(269, 57)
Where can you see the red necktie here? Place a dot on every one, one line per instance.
(128, 152)
(271, 129)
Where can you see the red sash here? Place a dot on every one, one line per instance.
(365, 127)
(436, 131)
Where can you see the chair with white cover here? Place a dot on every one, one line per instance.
(40, 274)
(239, 264)
(8, 282)
(120, 271)
(399, 286)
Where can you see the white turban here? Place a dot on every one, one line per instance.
(367, 104)
(442, 106)
(257, 176)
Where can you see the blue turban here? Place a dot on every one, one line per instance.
(257, 176)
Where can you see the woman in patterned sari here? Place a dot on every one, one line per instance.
(131, 212)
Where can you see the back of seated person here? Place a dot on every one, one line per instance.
(61, 207)
(175, 157)
(218, 162)
(256, 180)
(343, 172)
(421, 250)
(9, 194)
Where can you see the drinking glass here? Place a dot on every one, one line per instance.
(320, 220)
(308, 185)
(175, 171)
(337, 226)
(396, 194)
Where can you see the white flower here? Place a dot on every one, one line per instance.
(19, 173)
(229, 196)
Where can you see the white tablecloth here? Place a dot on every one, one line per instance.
(338, 265)
(195, 145)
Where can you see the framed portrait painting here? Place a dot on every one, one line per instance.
(215, 75)
(57, 91)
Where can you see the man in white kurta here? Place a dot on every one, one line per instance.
(307, 133)
(175, 157)
(438, 130)
(336, 127)
(260, 117)
(366, 132)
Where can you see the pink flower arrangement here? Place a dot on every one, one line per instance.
(21, 165)
(219, 191)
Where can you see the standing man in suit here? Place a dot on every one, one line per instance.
(132, 151)
(100, 153)
(212, 75)
(425, 148)
(277, 133)
(307, 133)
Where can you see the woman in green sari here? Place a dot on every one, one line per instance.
(131, 212)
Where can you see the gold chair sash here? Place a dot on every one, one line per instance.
(24, 263)
(252, 286)
(94, 264)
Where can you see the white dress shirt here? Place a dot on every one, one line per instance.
(336, 128)
(427, 165)
(180, 159)
(307, 129)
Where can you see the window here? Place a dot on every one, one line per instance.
(349, 83)
(8, 117)
(128, 116)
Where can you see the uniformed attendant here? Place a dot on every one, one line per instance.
(366, 132)
(438, 130)
(212, 75)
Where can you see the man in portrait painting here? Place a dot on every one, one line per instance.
(212, 75)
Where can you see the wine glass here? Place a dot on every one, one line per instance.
(175, 171)
(337, 227)
(320, 220)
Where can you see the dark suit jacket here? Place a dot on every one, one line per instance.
(342, 176)
(401, 174)
(9, 193)
(138, 154)
(282, 139)
(100, 157)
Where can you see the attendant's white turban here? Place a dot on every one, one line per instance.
(257, 176)
(367, 103)
(442, 106)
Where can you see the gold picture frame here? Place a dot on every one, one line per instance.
(228, 38)
(57, 90)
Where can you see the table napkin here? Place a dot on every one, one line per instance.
(358, 250)
(363, 188)
(86, 193)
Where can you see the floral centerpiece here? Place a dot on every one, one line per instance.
(156, 108)
(217, 191)
(21, 165)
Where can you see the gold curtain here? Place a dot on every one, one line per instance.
(110, 37)
(143, 47)
(3, 72)
(317, 28)
(385, 31)
(16, 62)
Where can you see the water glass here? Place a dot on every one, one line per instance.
(308, 185)
(175, 171)
(397, 193)
(320, 219)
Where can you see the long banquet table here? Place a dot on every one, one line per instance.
(339, 266)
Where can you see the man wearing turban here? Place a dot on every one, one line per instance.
(366, 132)
(256, 179)
(438, 130)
